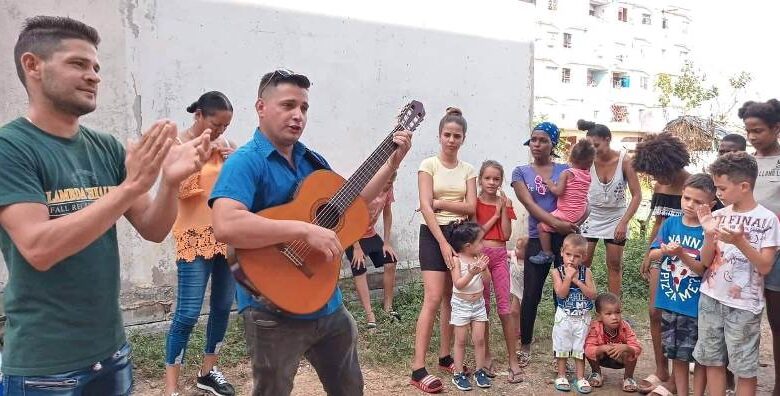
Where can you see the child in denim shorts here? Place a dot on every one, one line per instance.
(469, 270)
(747, 236)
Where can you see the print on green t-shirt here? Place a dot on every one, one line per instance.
(68, 317)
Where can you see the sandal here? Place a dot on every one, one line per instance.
(648, 384)
(660, 390)
(582, 386)
(371, 325)
(395, 315)
(490, 370)
(515, 377)
(429, 384)
(562, 384)
(629, 385)
(597, 381)
(523, 358)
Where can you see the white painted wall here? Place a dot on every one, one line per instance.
(365, 59)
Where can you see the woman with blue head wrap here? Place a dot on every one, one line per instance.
(529, 186)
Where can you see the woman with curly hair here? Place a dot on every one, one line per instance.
(664, 157)
(762, 124)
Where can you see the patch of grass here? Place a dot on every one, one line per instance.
(391, 344)
(149, 350)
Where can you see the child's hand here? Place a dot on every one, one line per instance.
(705, 218)
(671, 249)
(501, 205)
(520, 249)
(615, 351)
(482, 262)
(570, 272)
(732, 237)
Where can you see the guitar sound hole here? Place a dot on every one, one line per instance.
(328, 216)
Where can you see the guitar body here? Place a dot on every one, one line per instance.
(303, 289)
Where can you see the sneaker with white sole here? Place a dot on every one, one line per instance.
(214, 381)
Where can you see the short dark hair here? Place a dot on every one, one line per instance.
(701, 181)
(737, 139)
(594, 130)
(210, 102)
(464, 233)
(453, 114)
(661, 154)
(582, 152)
(42, 35)
(282, 76)
(606, 298)
(768, 111)
(738, 167)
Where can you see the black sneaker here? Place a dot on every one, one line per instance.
(215, 383)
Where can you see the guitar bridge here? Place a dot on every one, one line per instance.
(297, 261)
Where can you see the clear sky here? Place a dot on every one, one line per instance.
(730, 36)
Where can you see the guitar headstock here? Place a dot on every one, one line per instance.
(411, 116)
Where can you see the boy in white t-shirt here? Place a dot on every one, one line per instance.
(747, 236)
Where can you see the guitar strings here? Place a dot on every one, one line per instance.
(339, 196)
(364, 171)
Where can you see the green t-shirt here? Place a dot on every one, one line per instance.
(68, 317)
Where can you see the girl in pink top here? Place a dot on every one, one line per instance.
(572, 192)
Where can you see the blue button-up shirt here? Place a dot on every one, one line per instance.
(259, 177)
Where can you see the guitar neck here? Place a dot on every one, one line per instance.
(355, 184)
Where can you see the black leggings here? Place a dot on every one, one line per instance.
(534, 277)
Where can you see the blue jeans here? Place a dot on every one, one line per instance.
(110, 377)
(193, 278)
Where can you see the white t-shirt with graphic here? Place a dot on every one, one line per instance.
(731, 278)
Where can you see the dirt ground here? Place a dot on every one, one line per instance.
(539, 375)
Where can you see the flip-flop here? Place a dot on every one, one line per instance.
(661, 390)
(652, 380)
(429, 384)
(371, 325)
(629, 385)
(395, 315)
(582, 386)
(562, 384)
(515, 377)
(490, 370)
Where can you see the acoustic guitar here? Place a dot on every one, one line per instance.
(291, 275)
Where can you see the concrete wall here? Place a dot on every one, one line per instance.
(365, 61)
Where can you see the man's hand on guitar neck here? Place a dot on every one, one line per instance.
(403, 139)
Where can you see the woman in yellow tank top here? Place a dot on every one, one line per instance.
(448, 195)
(199, 256)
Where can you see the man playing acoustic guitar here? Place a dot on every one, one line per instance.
(265, 173)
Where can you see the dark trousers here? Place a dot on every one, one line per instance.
(534, 277)
(277, 344)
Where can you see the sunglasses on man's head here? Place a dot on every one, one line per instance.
(282, 74)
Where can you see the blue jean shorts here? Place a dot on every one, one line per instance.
(110, 376)
(728, 336)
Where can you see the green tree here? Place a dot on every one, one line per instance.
(691, 91)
